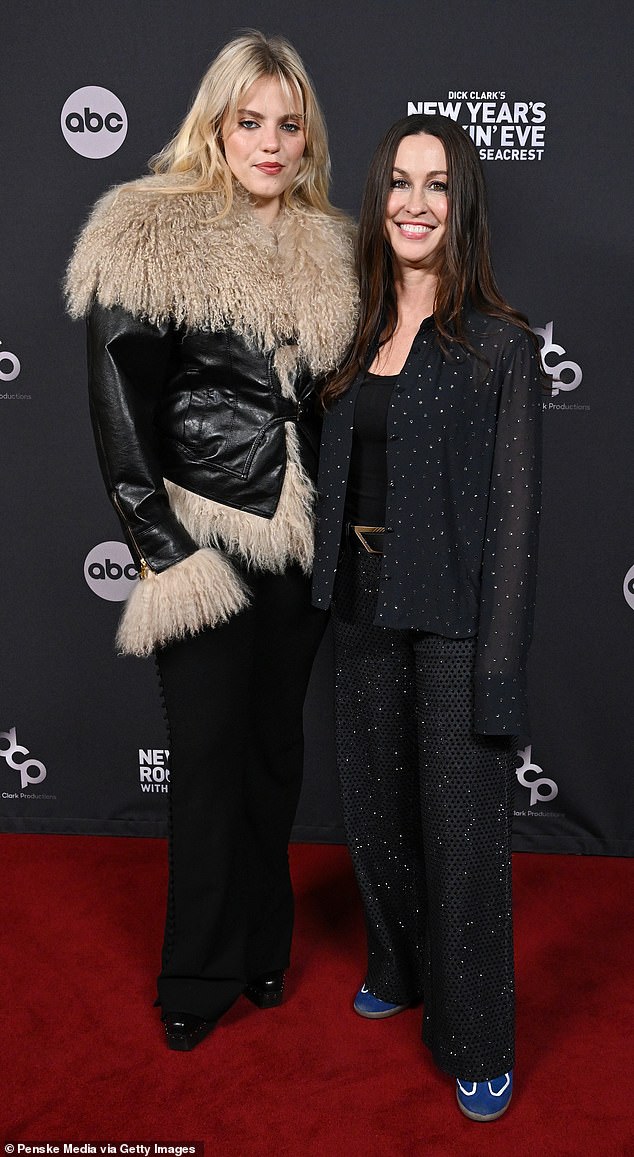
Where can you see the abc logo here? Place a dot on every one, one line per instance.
(110, 571)
(94, 122)
(628, 587)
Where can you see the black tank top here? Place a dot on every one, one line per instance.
(367, 479)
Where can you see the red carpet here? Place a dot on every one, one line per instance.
(83, 1059)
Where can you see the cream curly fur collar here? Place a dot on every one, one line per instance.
(161, 255)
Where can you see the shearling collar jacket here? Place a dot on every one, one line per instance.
(205, 336)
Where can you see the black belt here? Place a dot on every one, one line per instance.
(370, 537)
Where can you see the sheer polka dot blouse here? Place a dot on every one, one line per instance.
(463, 467)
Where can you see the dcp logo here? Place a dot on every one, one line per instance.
(110, 571)
(628, 587)
(9, 748)
(9, 366)
(542, 789)
(94, 122)
(556, 371)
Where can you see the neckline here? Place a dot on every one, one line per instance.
(383, 377)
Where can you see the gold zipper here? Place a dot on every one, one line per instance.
(144, 567)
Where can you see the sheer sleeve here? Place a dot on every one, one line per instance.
(510, 550)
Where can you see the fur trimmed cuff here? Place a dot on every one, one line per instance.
(201, 591)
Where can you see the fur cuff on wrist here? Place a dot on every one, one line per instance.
(201, 591)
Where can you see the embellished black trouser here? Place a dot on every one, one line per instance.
(234, 697)
(428, 808)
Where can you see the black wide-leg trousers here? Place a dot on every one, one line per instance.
(428, 807)
(234, 696)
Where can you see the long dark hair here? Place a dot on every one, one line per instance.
(465, 274)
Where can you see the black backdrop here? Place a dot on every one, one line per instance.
(544, 90)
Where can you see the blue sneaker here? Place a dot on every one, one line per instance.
(365, 1004)
(485, 1100)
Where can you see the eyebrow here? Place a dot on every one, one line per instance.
(432, 172)
(251, 112)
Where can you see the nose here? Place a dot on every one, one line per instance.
(271, 141)
(417, 200)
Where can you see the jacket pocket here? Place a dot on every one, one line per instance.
(217, 434)
(210, 415)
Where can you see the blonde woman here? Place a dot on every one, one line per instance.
(216, 292)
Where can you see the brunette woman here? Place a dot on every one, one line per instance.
(427, 531)
(216, 292)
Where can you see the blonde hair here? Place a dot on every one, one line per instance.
(196, 151)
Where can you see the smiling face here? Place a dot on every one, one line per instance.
(417, 205)
(264, 143)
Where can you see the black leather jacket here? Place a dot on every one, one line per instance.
(202, 409)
